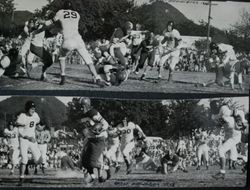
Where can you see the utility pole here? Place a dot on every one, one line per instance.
(208, 25)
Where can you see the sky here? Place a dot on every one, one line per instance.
(29, 5)
(224, 14)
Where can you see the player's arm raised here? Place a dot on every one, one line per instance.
(140, 130)
(56, 18)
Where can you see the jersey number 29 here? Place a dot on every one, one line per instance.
(69, 14)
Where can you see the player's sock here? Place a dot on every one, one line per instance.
(234, 165)
(222, 163)
(108, 174)
(229, 164)
(26, 171)
(62, 80)
(21, 181)
(170, 78)
(35, 172)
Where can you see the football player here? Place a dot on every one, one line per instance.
(26, 123)
(72, 40)
(4, 62)
(202, 148)
(120, 41)
(126, 132)
(28, 28)
(11, 134)
(113, 149)
(43, 137)
(147, 53)
(96, 133)
(232, 138)
(224, 59)
(170, 162)
(172, 38)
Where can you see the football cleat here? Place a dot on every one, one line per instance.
(21, 181)
(143, 76)
(101, 180)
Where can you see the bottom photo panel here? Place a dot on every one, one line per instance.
(74, 142)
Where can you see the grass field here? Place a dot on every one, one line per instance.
(138, 178)
(79, 78)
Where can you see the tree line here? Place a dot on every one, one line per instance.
(99, 18)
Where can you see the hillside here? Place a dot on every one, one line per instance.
(156, 15)
(21, 17)
(153, 16)
(50, 109)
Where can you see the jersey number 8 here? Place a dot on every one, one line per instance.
(69, 14)
(32, 124)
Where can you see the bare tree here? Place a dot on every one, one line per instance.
(242, 27)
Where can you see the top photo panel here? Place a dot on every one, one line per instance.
(157, 46)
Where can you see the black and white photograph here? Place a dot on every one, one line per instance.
(87, 142)
(160, 46)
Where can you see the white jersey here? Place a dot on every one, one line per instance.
(113, 139)
(181, 145)
(28, 124)
(12, 136)
(127, 132)
(229, 126)
(137, 37)
(70, 22)
(230, 54)
(60, 154)
(171, 38)
(202, 138)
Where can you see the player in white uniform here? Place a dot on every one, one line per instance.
(96, 135)
(72, 40)
(202, 148)
(27, 124)
(28, 28)
(43, 137)
(171, 52)
(4, 62)
(137, 37)
(232, 138)
(224, 59)
(56, 46)
(126, 131)
(12, 135)
(113, 146)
